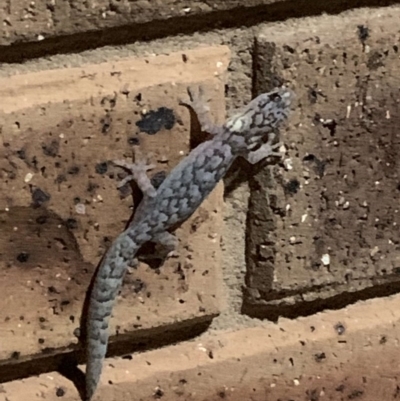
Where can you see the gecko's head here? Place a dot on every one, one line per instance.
(261, 116)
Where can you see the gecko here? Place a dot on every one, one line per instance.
(250, 133)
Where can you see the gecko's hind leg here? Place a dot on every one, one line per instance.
(266, 150)
(169, 241)
(202, 109)
(165, 247)
(138, 174)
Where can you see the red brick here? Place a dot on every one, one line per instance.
(58, 204)
(326, 220)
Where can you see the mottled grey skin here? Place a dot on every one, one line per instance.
(248, 134)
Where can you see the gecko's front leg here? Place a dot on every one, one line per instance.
(265, 150)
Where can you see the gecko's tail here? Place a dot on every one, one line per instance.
(105, 289)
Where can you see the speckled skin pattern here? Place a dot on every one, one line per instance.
(248, 134)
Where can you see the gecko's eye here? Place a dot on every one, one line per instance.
(275, 96)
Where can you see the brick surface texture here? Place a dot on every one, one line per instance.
(331, 221)
(26, 20)
(83, 83)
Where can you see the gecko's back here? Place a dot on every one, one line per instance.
(192, 180)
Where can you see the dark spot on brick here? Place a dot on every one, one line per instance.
(61, 178)
(331, 125)
(39, 197)
(77, 200)
(315, 265)
(158, 393)
(107, 240)
(92, 187)
(309, 158)
(73, 170)
(101, 168)
(383, 340)
(71, 223)
(12, 175)
(42, 319)
(34, 162)
(111, 100)
(51, 149)
(155, 121)
(60, 392)
(292, 186)
(221, 394)
(340, 388)
(184, 58)
(375, 60)
(210, 354)
(340, 329)
(23, 257)
(15, 355)
(319, 165)
(125, 91)
(106, 124)
(133, 141)
(355, 394)
(180, 271)
(138, 285)
(313, 395)
(312, 95)
(289, 49)
(57, 164)
(138, 97)
(41, 219)
(363, 33)
(21, 154)
(41, 340)
(312, 328)
(158, 178)
(319, 357)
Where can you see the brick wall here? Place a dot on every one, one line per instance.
(274, 295)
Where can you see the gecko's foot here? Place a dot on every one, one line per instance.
(201, 107)
(275, 149)
(138, 174)
(196, 98)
